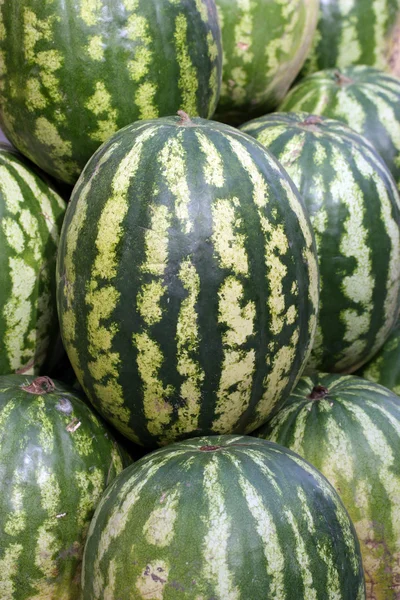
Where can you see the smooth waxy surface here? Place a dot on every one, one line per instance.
(365, 98)
(265, 43)
(228, 518)
(354, 208)
(31, 214)
(384, 368)
(359, 32)
(349, 429)
(73, 72)
(187, 281)
(56, 459)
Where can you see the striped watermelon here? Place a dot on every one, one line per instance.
(265, 44)
(222, 518)
(349, 429)
(354, 208)
(360, 32)
(363, 97)
(187, 281)
(31, 214)
(73, 72)
(384, 368)
(56, 459)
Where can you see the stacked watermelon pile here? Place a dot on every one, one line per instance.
(200, 269)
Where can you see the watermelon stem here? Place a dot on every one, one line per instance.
(341, 79)
(312, 120)
(185, 119)
(209, 448)
(318, 392)
(40, 385)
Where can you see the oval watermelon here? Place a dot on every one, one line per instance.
(349, 429)
(187, 281)
(222, 517)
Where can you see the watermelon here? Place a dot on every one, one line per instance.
(265, 45)
(364, 32)
(363, 97)
(349, 429)
(354, 208)
(56, 459)
(73, 72)
(187, 281)
(31, 214)
(384, 368)
(221, 518)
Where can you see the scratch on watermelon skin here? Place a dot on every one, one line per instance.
(185, 243)
(350, 194)
(258, 519)
(31, 213)
(50, 488)
(60, 93)
(349, 429)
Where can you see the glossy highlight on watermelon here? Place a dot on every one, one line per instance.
(222, 517)
(187, 281)
(354, 208)
(73, 72)
(366, 99)
(31, 214)
(56, 459)
(265, 44)
(349, 429)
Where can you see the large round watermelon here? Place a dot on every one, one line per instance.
(265, 44)
(360, 32)
(384, 368)
(56, 459)
(363, 97)
(349, 428)
(354, 208)
(31, 214)
(187, 281)
(222, 518)
(73, 72)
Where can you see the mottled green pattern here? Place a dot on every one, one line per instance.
(351, 433)
(227, 518)
(265, 44)
(73, 72)
(31, 214)
(363, 97)
(354, 208)
(56, 459)
(357, 32)
(384, 368)
(187, 281)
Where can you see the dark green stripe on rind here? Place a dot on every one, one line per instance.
(56, 459)
(31, 214)
(352, 435)
(365, 98)
(229, 518)
(265, 45)
(384, 368)
(363, 32)
(73, 73)
(188, 283)
(354, 208)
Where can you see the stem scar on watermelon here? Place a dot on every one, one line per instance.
(318, 392)
(40, 385)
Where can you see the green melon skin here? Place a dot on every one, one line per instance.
(349, 429)
(265, 43)
(31, 214)
(366, 99)
(222, 517)
(187, 281)
(73, 72)
(56, 460)
(364, 32)
(384, 367)
(354, 207)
